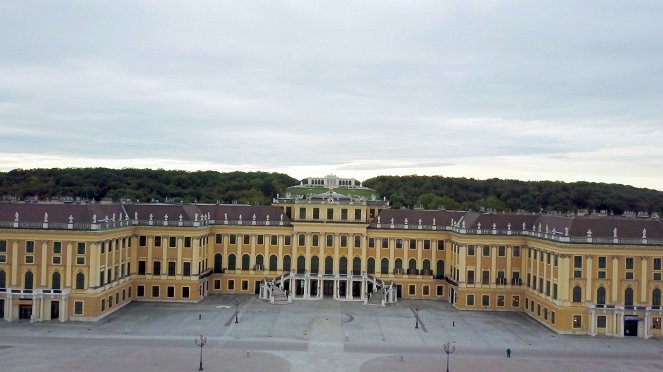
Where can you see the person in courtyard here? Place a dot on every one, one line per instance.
(508, 353)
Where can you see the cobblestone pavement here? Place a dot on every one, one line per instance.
(323, 335)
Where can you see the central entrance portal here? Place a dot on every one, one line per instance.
(356, 289)
(630, 327)
(24, 311)
(55, 309)
(328, 288)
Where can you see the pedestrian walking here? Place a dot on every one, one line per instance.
(508, 353)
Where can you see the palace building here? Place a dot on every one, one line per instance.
(593, 274)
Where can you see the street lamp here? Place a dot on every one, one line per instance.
(236, 301)
(449, 349)
(200, 342)
(416, 317)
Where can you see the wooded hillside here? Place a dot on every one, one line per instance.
(467, 193)
(430, 192)
(146, 184)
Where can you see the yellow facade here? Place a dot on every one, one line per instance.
(564, 277)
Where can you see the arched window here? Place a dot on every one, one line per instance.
(656, 297)
(600, 296)
(384, 266)
(440, 269)
(272, 262)
(55, 280)
(370, 265)
(343, 266)
(260, 260)
(3, 279)
(398, 263)
(80, 281)
(246, 262)
(628, 297)
(232, 262)
(28, 280)
(356, 266)
(412, 264)
(286, 263)
(427, 264)
(301, 264)
(329, 265)
(315, 264)
(218, 261)
(577, 294)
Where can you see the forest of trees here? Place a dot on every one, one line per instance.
(430, 192)
(145, 185)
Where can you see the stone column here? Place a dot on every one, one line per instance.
(493, 266)
(63, 308)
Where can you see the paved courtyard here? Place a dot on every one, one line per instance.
(324, 335)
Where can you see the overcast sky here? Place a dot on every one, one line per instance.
(550, 90)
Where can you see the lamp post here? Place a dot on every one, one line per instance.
(236, 301)
(200, 342)
(449, 349)
(416, 317)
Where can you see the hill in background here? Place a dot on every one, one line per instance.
(430, 192)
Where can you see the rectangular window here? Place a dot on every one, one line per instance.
(57, 247)
(142, 240)
(486, 251)
(187, 242)
(577, 321)
(103, 304)
(3, 246)
(170, 292)
(141, 267)
(185, 291)
(80, 248)
(274, 240)
(172, 242)
(657, 264)
(385, 243)
(233, 239)
(485, 300)
(470, 300)
(344, 214)
(316, 213)
(301, 240)
(287, 240)
(426, 244)
(357, 241)
(80, 260)
(412, 289)
(500, 300)
(261, 239)
(186, 268)
(485, 277)
(554, 291)
(413, 244)
(330, 213)
(601, 321)
(426, 290)
(515, 301)
(552, 317)
(629, 263)
(57, 260)
(440, 290)
(155, 291)
(78, 307)
(545, 313)
(231, 285)
(302, 213)
(516, 252)
(657, 276)
(629, 275)
(156, 268)
(219, 238)
(656, 322)
(246, 239)
(577, 262)
(470, 276)
(470, 250)
(501, 251)
(217, 284)
(602, 262)
(245, 285)
(399, 243)
(357, 214)
(371, 243)
(577, 273)
(344, 241)
(157, 241)
(602, 274)
(29, 247)
(330, 240)
(315, 240)
(171, 268)
(440, 245)
(140, 291)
